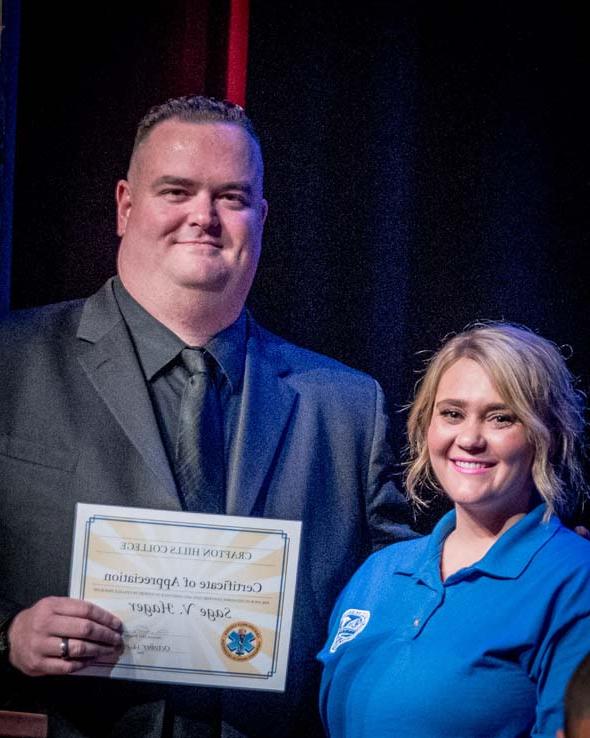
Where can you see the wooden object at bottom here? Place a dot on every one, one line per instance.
(22, 725)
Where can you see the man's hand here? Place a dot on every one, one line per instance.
(35, 636)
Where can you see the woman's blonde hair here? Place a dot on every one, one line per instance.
(530, 374)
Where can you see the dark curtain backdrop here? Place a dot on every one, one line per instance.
(9, 46)
(427, 164)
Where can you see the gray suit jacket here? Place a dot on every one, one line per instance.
(76, 425)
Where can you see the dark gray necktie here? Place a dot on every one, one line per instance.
(200, 459)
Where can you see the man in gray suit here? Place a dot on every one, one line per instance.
(90, 397)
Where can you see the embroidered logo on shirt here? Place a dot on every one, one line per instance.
(352, 623)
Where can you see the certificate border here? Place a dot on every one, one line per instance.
(182, 670)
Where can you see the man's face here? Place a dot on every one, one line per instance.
(191, 214)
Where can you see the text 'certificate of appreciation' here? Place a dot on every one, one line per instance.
(204, 599)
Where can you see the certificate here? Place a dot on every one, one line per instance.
(204, 599)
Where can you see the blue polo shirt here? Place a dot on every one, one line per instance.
(488, 652)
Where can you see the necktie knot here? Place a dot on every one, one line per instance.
(194, 361)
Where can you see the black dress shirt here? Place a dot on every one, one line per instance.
(158, 352)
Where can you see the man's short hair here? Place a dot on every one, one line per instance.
(194, 109)
(577, 695)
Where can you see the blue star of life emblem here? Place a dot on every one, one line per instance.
(241, 642)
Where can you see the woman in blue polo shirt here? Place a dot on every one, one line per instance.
(475, 629)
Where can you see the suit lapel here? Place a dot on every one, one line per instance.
(108, 358)
(267, 404)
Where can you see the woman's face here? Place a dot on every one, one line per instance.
(478, 448)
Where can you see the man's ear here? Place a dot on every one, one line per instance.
(123, 198)
(559, 733)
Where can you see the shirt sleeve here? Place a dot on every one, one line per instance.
(327, 656)
(566, 647)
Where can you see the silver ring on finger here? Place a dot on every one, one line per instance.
(64, 648)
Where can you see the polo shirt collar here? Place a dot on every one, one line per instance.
(514, 550)
(506, 559)
(429, 570)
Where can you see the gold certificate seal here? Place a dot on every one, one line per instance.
(241, 641)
